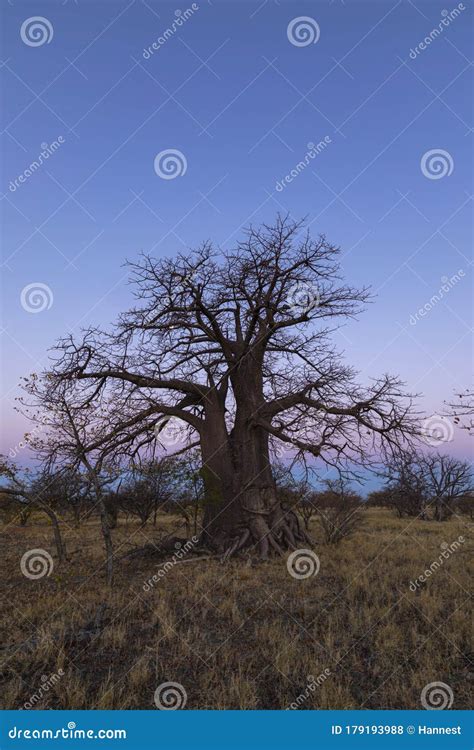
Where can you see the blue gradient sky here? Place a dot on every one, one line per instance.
(241, 102)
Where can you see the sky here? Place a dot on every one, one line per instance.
(236, 91)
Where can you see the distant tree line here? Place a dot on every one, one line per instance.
(426, 485)
(429, 486)
(166, 485)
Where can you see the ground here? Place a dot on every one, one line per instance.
(241, 635)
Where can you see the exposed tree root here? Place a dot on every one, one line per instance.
(265, 537)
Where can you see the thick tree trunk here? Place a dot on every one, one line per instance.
(242, 507)
(217, 476)
(262, 520)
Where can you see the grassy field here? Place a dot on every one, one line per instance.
(242, 635)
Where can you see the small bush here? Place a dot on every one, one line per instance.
(339, 512)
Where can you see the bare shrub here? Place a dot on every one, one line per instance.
(339, 511)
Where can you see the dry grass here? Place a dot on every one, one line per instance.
(239, 636)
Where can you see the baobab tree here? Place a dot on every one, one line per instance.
(235, 347)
